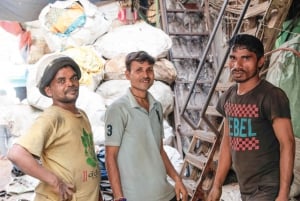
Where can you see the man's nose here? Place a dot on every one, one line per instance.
(70, 82)
(237, 64)
(145, 74)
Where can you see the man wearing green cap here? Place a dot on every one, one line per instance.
(61, 138)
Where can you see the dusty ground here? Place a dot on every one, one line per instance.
(4, 173)
(16, 188)
(21, 188)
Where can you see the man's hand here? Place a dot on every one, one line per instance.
(181, 192)
(282, 198)
(64, 190)
(215, 193)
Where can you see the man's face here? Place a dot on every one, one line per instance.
(64, 87)
(141, 75)
(244, 64)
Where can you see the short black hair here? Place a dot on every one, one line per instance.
(139, 56)
(249, 42)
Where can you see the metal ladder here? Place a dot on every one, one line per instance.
(196, 88)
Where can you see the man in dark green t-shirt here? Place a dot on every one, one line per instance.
(258, 140)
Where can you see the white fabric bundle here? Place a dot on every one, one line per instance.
(130, 38)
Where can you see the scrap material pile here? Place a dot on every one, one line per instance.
(98, 37)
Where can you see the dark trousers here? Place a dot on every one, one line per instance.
(174, 198)
(263, 193)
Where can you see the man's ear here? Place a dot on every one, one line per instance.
(48, 91)
(127, 74)
(261, 62)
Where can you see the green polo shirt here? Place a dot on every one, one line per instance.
(139, 134)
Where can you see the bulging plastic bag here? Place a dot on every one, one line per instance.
(72, 23)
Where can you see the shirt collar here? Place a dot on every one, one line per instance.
(133, 102)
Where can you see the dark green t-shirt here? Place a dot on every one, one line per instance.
(254, 146)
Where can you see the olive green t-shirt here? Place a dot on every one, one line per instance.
(64, 143)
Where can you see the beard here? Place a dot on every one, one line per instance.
(237, 80)
(70, 95)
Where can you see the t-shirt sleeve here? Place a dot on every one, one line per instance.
(115, 123)
(220, 106)
(277, 104)
(221, 102)
(36, 137)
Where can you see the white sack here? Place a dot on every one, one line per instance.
(174, 157)
(128, 38)
(93, 105)
(113, 89)
(164, 70)
(114, 68)
(91, 65)
(169, 134)
(15, 120)
(96, 25)
(9, 48)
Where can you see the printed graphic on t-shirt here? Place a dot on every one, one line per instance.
(240, 117)
(88, 143)
(91, 174)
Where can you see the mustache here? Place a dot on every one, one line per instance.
(146, 79)
(72, 88)
(236, 70)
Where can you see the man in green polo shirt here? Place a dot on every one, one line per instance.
(136, 162)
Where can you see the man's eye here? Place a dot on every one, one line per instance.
(61, 81)
(232, 58)
(150, 70)
(75, 78)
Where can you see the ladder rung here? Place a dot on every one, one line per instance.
(186, 57)
(205, 135)
(188, 34)
(184, 11)
(198, 161)
(211, 110)
(190, 186)
(191, 82)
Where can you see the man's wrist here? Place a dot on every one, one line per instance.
(217, 185)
